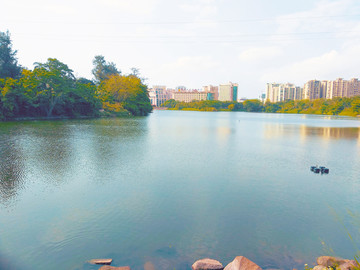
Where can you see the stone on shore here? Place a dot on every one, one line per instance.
(100, 261)
(320, 267)
(328, 261)
(242, 263)
(207, 264)
(108, 267)
(348, 265)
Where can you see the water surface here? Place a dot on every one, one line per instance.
(176, 186)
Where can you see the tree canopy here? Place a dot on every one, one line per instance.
(9, 67)
(103, 69)
(129, 91)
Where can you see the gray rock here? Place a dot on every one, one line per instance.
(242, 263)
(207, 264)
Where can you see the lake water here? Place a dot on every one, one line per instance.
(177, 186)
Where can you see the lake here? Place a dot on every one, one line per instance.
(178, 186)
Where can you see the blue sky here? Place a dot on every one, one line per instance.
(193, 43)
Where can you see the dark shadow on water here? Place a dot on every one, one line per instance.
(5, 264)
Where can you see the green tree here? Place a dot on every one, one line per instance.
(8, 61)
(102, 69)
(51, 81)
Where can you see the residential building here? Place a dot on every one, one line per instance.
(228, 92)
(276, 92)
(312, 90)
(158, 95)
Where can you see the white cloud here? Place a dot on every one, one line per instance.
(328, 66)
(260, 54)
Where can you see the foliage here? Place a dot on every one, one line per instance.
(9, 67)
(128, 91)
(49, 90)
(102, 69)
(52, 90)
(337, 106)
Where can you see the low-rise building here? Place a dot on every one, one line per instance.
(185, 96)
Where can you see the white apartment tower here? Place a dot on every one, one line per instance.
(276, 92)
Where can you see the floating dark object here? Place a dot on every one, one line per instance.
(325, 170)
(321, 169)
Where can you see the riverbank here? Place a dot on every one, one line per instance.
(336, 106)
(242, 263)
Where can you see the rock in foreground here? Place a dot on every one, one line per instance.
(207, 264)
(328, 261)
(242, 263)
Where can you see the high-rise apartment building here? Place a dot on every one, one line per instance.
(343, 88)
(276, 92)
(312, 90)
(228, 92)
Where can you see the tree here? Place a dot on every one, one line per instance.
(129, 91)
(102, 69)
(53, 80)
(8, 62)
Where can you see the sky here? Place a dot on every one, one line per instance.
(193, 42)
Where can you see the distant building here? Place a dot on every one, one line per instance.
(180, 88)
(276, 92)
(343, 88)
(228, 92)
(312, 90)
(212, 89)
(185, 96)
(158, 95)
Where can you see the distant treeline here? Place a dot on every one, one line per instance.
(52, 90)
(336, 106)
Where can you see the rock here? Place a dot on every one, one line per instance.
(348, 265)
(242, 263)
(108, 267)
(329, 261)
(100, 261)
(207, 264)
(149, 266)
(320, 267)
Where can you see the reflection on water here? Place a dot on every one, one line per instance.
(331, 132)
(11, 170)
(280, 130)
